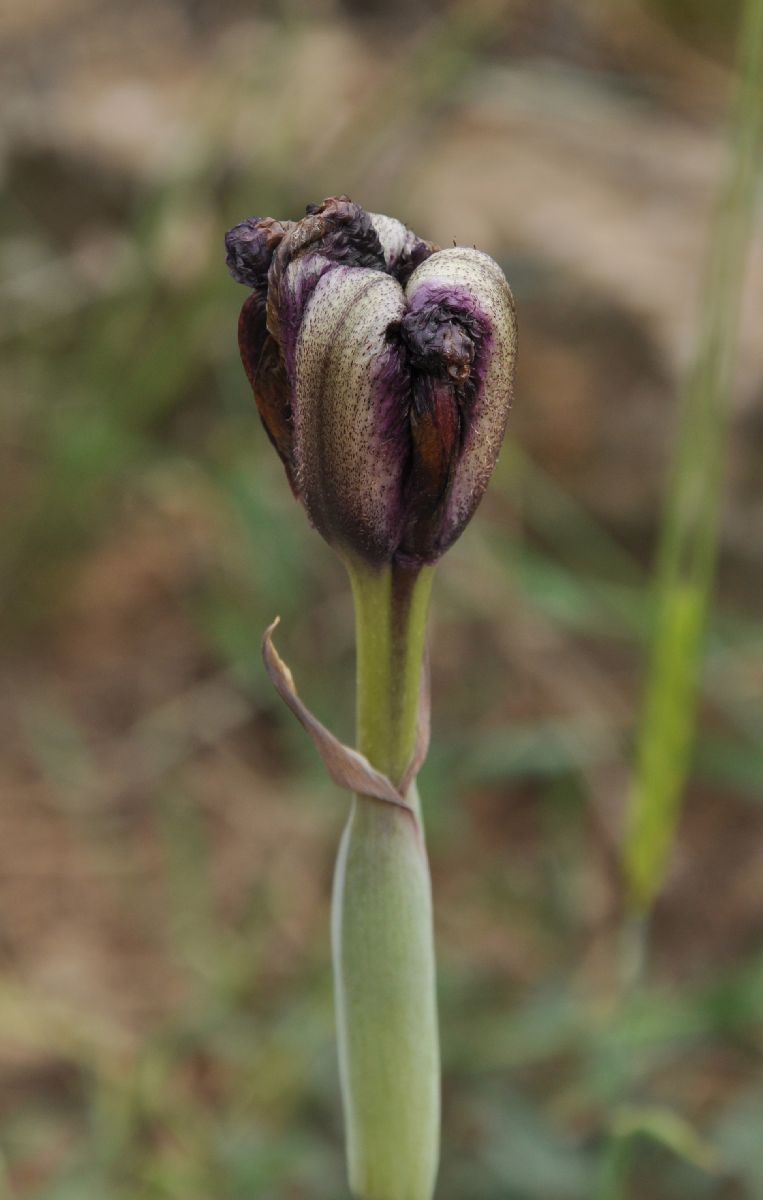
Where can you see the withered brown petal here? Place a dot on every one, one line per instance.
(265, 371)
(435, 440)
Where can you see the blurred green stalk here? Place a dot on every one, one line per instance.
(688, 543)
(383, 944)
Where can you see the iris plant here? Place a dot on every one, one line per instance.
(382, 371)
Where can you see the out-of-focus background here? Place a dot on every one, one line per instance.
(167, 837)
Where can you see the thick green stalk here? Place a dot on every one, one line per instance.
(382, 914)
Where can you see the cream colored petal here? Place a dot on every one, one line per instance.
(393, 235)
(349, 392)
(402, 248)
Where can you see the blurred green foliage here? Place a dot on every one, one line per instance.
(687, 552)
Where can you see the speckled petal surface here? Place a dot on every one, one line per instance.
(349, 401)
(382, 369)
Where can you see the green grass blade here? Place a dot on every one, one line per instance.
(687, 549)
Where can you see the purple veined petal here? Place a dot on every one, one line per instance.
(470, 283)
(291, 287)
(250, 246)
(350, 390)
(388, 408)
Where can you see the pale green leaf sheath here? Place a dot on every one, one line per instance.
(384, 965)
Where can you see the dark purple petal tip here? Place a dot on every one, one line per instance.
(250, 247)
(345, 233)
(440, 341)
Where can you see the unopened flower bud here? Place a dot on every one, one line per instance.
(382, 369)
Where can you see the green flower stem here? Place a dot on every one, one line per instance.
(391, 607)
(382, 914)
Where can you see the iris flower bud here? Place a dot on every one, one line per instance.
(382, 370)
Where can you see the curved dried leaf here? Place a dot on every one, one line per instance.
(346, 767)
